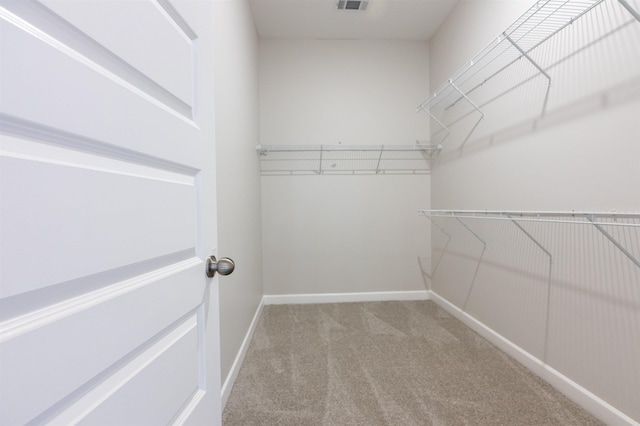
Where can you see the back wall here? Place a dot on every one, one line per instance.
(345, 233)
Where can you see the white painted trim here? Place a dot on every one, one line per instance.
(96, 395)
(300, 299)
(237, 363)
(581, 396)
(18, 326)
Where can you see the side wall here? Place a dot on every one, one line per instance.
(577, 307)
(340, 234)
(239, 233)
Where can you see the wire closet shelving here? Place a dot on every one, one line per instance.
(345, 159)
(600, 220)
(521, 40)
(621, 229)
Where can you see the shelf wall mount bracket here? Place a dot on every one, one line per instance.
(320, 162)
(467, 98)
(434, 268)
(475, 275)
(548, 308)
(474, 107)
(379, 159)
(535, 64)
(630, 9)
(536, 242)
(591, 218)
(524, 54)
(445, 128)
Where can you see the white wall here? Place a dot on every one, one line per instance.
(582, 154)
(333, 234)
(239, 223)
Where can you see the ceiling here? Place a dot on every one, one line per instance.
(320, 19)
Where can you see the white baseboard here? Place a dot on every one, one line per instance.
(237, 363)
(581, 396)
(300, 299)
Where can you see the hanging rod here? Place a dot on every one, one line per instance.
(264, 149)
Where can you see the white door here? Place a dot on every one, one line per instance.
(107, 213)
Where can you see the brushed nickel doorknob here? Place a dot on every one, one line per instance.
(224, 266)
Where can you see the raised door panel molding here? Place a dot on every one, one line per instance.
(161, 49)
(153, 218)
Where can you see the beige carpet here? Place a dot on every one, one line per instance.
(385, 363)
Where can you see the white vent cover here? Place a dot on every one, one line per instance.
(352, 4)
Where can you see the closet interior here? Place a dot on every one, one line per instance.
(506, 191)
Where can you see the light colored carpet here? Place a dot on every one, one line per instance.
(385, 363)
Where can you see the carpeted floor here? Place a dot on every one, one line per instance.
(385, 363)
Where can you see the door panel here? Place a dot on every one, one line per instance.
(125, 398)
(107, 187)
(30, 186)
(78, 336)
(161, 49)
(87, 97)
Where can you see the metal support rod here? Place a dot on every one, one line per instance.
(615, 242)
(531, 238)
(473, 281)
(475, 107)
(546, 98)
(379, 158)
(437, 226)
(467, 98)
(523, 53)
(630, 9)
(434, 268)
(320, 168)
(471, 132)
(470, 230)
(546, 324)
(446, 129)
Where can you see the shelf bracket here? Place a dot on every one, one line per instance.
(536, 242)
(630, 9)
(523, 53)
(467, 98)
(484, 248)
(320, 163)
(591, 218)
(474, 106)
(535, 64)
(379, 158)
(434, 268)
(541, 247)
(446, 129)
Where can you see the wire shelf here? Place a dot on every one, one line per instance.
(602, 221)
(521, 43)
(345, 159)
(630, 219)
(538, 24)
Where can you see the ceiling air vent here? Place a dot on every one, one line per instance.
(353, 4)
